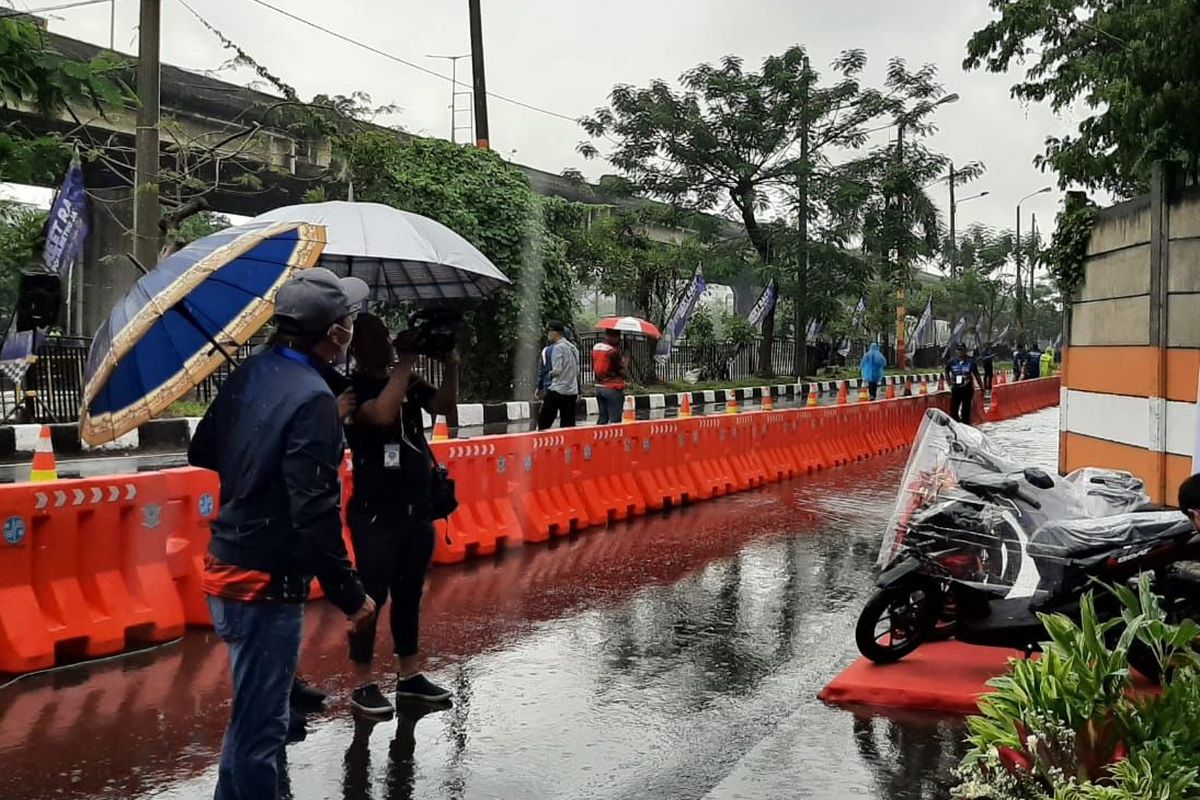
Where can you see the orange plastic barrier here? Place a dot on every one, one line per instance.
(486, 520)
(1023, 397)
(83, 570)
(194, 496)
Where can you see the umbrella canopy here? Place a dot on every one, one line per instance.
(168, 333)
(632, 325)
(401, 255)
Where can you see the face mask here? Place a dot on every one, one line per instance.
(341, 336)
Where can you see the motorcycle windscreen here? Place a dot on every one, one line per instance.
(932, 473)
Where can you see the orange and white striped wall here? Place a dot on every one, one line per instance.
(1133, 332)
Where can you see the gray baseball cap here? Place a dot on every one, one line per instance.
(315, 298)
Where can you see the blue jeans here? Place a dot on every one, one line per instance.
(264, 646)
(611, 403)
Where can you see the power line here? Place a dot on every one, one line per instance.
(398, 60)
(61, 7)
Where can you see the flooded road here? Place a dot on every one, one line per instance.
(676, 656)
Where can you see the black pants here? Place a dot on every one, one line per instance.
(987, 377)
(872, 388)
(557, 405)
(961, 400)
(391, 554)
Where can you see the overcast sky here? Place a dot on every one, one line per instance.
(565, 56)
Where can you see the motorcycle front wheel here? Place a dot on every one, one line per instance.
(897, 620)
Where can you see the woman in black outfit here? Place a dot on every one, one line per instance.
(389, 512)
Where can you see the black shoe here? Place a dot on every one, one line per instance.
(305, 696)
(418, 687)
(370, 702)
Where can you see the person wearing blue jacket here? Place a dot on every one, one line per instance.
(873, 364)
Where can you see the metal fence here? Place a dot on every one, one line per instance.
(55, 381)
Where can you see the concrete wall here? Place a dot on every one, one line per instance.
(1133, 335)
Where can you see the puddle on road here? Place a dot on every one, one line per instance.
(676, 656)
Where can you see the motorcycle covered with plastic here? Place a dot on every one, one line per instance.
(977, 545)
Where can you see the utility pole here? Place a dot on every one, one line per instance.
(901, 264)
(953, 237)
(799, 317)
(146, 210)
(482, 136)
(1020, 295)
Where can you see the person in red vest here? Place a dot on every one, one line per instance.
(609, 366)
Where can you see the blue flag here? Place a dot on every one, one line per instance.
(677, 322)
(66, 227)
(766, 302)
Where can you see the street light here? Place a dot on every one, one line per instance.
(901, 291)
(1020, 288)
(953, 218)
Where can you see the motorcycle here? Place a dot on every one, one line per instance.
(978, 546)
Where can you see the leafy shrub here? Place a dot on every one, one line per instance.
(1065, 726)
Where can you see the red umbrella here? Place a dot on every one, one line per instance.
(629, 325)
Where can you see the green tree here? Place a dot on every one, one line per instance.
(1132, 65)
(488, 202)
(753, 143)
(21, 240)
(33, 76)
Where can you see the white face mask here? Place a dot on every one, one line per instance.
(341, 336)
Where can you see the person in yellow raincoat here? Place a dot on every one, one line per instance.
(1047, 363)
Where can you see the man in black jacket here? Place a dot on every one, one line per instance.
(275, 438)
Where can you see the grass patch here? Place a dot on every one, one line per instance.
(185, 408)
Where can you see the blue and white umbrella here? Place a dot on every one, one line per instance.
(181, 319)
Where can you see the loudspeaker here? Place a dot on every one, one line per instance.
(38, 300)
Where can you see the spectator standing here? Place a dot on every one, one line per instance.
(961, 373)
(873, 365)
(985, 358)
(609, 367)
(274, 437)
(391, 511)
(561, 396)
(1047, 363)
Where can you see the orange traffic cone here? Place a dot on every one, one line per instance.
(924, 388)
(768, 403)
(863, 396)
(685, 408)
(891, 391)
(731, 407)
(941, 383)
(908, 392)
(630, 414)
(44, 468)
(843, 395)
(441, 431)
(813, 390)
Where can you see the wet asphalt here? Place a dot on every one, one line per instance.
(675, 656)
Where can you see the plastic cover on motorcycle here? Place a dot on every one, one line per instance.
(966, 507)
(1078, 543)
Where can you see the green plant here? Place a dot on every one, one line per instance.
(700, 330)
(1067, 253)
(488, 202)
(1065, 726)
(738, 329)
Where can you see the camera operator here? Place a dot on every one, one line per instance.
(391, 510)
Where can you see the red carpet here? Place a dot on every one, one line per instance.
(942, 676)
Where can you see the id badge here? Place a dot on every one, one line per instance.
(958, 380)
(391, 456)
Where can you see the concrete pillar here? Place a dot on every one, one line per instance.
(107, 273)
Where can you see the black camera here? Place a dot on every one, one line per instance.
(431, 332)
